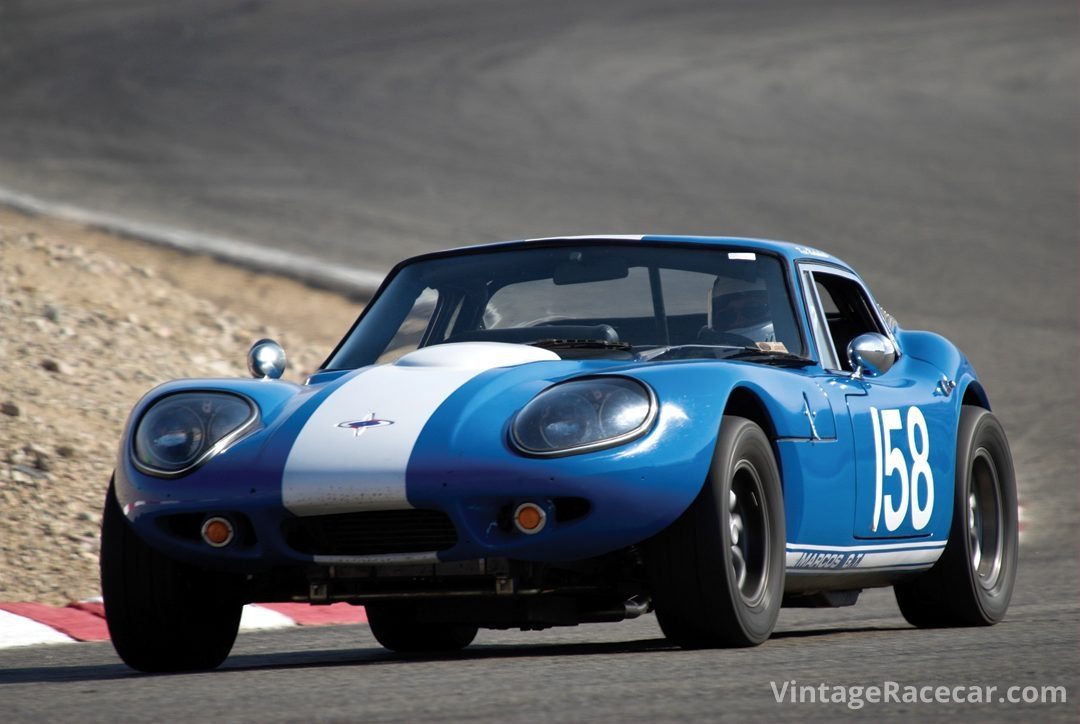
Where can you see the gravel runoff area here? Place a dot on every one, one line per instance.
(88, 324)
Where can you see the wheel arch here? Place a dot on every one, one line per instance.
(699, 396)
(975, 395)
(744, 402)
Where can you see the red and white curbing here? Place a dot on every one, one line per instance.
(29, 624)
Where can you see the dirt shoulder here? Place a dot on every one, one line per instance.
(89, 322)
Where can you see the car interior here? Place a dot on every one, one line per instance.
(847, 312)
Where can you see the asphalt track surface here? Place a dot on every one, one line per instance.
(933, 145)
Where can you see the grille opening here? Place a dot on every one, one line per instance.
(568, 509)
(189, 525)
(371, 533)
(182, 525)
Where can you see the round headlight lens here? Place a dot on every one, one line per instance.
(622, 410)
(584, 415)
(178, 431)
(228, 415)
(566, 419)
(172, 437)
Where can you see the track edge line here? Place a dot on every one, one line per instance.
(353, 282)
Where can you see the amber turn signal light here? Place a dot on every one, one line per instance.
(217, 531)
(529, 518)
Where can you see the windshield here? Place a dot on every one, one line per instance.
(581, 300)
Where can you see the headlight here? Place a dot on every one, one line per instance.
(181, 431)
(583, 415)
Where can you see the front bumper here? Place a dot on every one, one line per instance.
(586, 517)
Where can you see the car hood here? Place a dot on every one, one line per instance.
(353, 451)
(367, 439)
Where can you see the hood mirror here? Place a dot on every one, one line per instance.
(871, 355)
(266, 360)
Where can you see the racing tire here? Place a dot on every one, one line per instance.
(395, 627)
(717, 572)
(163, 615)
(972, 583)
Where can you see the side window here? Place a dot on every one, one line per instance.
(819, 326)
(828, 306)
(847, 312)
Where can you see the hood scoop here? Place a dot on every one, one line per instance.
(475, 356)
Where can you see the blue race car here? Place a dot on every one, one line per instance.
(561, 431)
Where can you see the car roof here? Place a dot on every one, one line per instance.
(791, 252)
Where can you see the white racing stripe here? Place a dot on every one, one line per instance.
(867, 547)
(802, 557)
(335, 469)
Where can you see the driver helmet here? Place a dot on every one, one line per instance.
(740, 307)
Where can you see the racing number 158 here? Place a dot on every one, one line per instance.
(889, 460)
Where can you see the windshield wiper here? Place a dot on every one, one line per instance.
(753, 354)
(720, 351)
(581, 344)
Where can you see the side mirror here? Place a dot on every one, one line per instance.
(266, 359)
(871, 355)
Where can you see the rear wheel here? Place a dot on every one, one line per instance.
(718, 571)
(972, 582)
(163, 615)
(395, 627)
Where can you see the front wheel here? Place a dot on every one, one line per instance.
(163, 615)
(395, 627)
(972, 582)
(718, 571)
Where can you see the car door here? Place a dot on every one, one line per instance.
(900, 421)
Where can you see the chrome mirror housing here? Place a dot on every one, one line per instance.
(871, 355)
(266, 359)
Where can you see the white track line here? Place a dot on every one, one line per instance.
(21, 631)
(335, 277)
(256, 617)
(16, 630)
